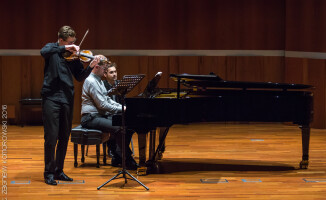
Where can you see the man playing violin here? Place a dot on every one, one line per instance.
(58, 99)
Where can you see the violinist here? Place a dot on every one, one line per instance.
(57, 100)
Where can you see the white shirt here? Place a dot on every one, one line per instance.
(95, 98)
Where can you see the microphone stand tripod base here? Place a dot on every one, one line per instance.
(131, 83)
(123, 172)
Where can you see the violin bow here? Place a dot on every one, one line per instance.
(83, 38)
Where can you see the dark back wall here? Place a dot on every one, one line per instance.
(147, 24)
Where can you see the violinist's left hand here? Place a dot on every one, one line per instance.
(95, 61)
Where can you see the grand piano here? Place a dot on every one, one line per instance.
(208, 98)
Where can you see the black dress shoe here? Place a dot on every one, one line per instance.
(131, 164)
(50, 180)
(62, 176)
(116, 162)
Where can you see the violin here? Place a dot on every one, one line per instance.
(84, 56)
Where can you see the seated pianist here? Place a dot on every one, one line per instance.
(98, 109)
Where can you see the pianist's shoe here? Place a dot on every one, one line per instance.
(116, 161)
(62, 176)
(131, 164)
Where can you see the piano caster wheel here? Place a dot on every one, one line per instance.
(82, 160)
(75, 164)
(304, 164)
(142, 171)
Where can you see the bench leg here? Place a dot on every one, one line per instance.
(104, 153)
(98, 155)
(83, 153)
(75, 154)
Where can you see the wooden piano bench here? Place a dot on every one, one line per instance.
(84, 136)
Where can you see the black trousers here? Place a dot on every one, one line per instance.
(57, 120)
(104, 123)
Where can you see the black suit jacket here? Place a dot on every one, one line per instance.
(108, 86)
(58, 83)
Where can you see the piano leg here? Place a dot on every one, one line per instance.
(305, 130)
(163, 132)
(151, 164)
(152, 138)
(161, 151)
(142, 142)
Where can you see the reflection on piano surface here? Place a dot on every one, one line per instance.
(208, 98)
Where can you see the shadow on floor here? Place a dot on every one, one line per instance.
(186, 164)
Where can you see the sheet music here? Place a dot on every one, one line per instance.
(125, 85)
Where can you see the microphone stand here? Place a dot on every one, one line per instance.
(124, 171)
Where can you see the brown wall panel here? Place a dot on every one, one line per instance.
(160, 63)
(37, 71)
(77, 101)
(26, 77)
(250, 69)
(213, 64)
(274, 69)
(22, 76)
(296, 70)
(255, 68)
(316, 77)
(231, 68)
(12, 81)
(311, 72)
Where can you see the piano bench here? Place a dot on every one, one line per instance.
(84, 136)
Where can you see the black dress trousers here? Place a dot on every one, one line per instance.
(57, 119)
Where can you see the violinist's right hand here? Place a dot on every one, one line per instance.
(72, 48)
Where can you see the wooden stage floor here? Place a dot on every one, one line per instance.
(202, 161)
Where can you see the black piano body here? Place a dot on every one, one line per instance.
(207, 98)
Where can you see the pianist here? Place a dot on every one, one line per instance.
(97, 110)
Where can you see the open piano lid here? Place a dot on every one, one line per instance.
(192, 80)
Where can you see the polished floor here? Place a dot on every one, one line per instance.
(201, 161)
